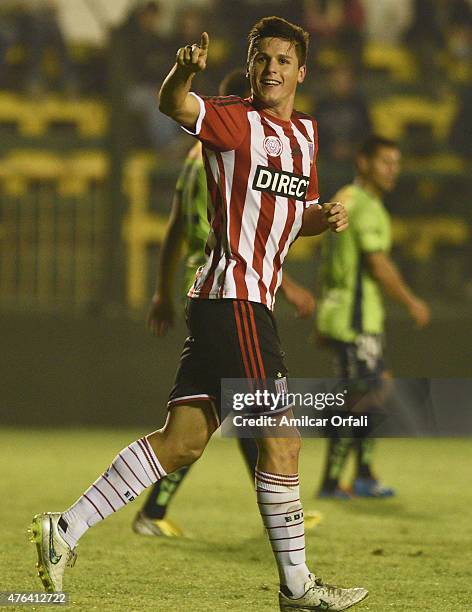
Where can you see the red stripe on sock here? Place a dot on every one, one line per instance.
(272, 492)
(302, 535)
(293, 483)
(285, 551)
(127, 485)
(282, 513)
(279, 483)
(114, 488)
(141, 464)
(277, 475)
(143, 447)
(290, 501)
(91, 502)
(131, 470)
(286, 526)
(105, 497)
(160, 469)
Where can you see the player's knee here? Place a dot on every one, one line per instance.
(188, 451)
(290, 449)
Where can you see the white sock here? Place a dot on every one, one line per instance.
(278, 497)
(134, 469)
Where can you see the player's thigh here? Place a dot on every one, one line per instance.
(195, 382)
(260, 358)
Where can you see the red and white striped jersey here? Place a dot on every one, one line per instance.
(261, 174)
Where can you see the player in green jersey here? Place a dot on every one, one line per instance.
(188, 225)
(356, 270)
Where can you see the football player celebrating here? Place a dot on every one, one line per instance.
(260, 162)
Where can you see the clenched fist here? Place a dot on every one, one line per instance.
(336, 216)
(194, 57)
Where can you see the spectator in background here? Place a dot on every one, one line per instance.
(337, 24)
(190, 22)
(343, 120)
(34, 25)
(459, 39)
(172, 10)
(140, 55)
(427, 37)
(235, 18)
(42, 32)
(387, 21)
(8, 34)
(437, 25)
(460, 138)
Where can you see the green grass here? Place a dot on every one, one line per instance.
(411, 552)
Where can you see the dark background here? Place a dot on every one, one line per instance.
(85, 175)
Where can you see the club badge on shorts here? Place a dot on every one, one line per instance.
(281, 384)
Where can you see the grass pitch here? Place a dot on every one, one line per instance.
(412, 552)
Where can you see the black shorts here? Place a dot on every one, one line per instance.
(361, 361)
(233, 339)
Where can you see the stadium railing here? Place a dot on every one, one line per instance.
(33, 118)
(51, 228)
(392, 115)
(141, 226)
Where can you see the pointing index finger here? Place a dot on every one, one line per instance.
(204, 41)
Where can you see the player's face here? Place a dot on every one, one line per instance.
(384, 168)
(274, 74)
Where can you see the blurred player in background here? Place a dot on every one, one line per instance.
(189, 224)
(356, 270)
(260, 163)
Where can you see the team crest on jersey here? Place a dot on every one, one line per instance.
(273, 146)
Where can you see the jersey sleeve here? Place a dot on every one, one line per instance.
(313, 194)
(222, 122)
(368, 228)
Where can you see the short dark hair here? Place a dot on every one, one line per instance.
(152, 6)
(373, 143)
(276, 27)
(235, 83)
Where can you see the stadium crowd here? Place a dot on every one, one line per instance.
(402, 68)
(433, 39)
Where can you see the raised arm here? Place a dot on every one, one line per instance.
(387, 274)
(174, 98)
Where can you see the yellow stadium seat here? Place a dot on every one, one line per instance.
(392, 116)
(33, 118)
(397, 61)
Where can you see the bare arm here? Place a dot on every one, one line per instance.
(174, 98)
(316, 219)
(387, 274)
(161, 312)
(302, 299)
